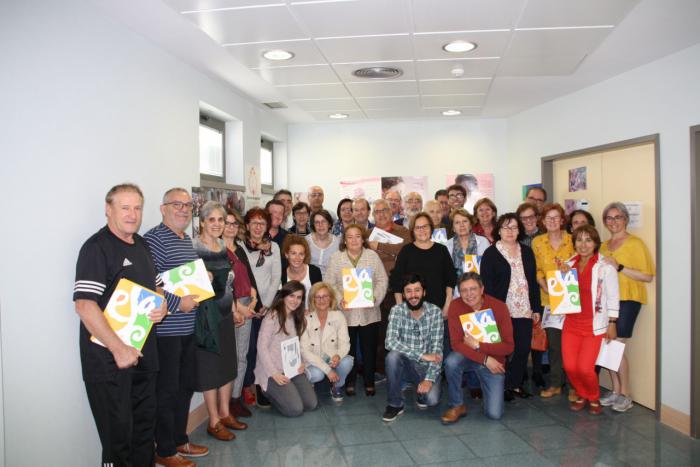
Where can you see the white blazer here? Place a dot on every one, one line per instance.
(605, 295)
(332, 340)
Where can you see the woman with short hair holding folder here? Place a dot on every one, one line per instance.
(583, 332)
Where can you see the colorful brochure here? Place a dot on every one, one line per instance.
(481, 325)
(291, 357)
(357, 288)
(189, 279)
(440, 236)
(472, 263)
(127, 312)
(564, 297)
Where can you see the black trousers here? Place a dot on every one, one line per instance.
(517, 365)
(174, 390)
(252, 356)
(124, 410)
(368, 345)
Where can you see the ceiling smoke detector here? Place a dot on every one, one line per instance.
(378, 72)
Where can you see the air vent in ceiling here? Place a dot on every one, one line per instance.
(378, 72)
(275, 105)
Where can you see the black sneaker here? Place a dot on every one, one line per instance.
(391, 413)
(260, 400)
(421, 401)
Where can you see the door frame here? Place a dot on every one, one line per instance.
(547, 168)
(694, 282)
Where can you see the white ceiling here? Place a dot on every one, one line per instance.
(529, 51)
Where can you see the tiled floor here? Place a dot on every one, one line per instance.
(533, 432)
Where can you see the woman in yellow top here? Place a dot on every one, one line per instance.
(551, 250)
(628, 254)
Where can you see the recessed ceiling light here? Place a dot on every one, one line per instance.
(459, 46)
(338, 116)
(451, 113)
(278, 54)
(378, 72)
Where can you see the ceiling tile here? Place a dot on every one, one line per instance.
(436, 112)
(553, 13)
(398, 102)
(314, 91)
(299, 75)
(367, 49)
(443, 69)
(345, 70)
(329, 105)
(454, 86)
(384, 88)
(394, 113)
(555, 42)
(489, 44)
(465, 15)
(248, 25)
(354, 18)
(550, 65)
(453, 100)
(250, 55)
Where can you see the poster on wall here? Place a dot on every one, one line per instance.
(577, 179)
(477, 185)
(366, 187)
(634, 208)
(300, 197)
(252, 186)
(406, 184)
(230, 199)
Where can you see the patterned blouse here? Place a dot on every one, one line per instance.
(518, 300)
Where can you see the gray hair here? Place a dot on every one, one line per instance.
(470, 276)
(620, 207)
(166, 196)
(208, 208)
(379, 201)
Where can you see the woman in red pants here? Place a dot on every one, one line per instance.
(583, 332)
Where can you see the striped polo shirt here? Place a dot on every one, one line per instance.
(170, 251)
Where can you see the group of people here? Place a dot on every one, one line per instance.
(281, 272)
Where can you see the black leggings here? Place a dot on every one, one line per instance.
(368, 345)
(522, 337)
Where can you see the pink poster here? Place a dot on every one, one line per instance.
(367, 187)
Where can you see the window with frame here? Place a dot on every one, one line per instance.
(266, 165)
(212, 154)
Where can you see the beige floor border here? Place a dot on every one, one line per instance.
(675, 419)
(197, 417)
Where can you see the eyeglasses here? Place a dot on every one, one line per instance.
(528, 218)
(321, 222)
(456, 196)
(614, 218)
(536, 200)
(382, 211)
(231, 224)
(258, 224)
(552, 218)
(422, 227)
(315, 195)
(513, 228)
(179, 205)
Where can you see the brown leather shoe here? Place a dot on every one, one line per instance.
(174, 461)
(579, 405)
(220, 432)
(231, 422)
(453, 414)
(192, 450)
(238, 409)
(550, 392)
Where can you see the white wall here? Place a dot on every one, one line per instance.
(86, 104)
(661, 97)
(322, 154)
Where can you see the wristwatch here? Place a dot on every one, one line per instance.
(620, 267)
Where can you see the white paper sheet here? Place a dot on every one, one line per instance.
(610, 355)
(291, 357)
(552, 321)
(382, 236)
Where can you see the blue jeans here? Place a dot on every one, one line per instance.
(315, 374)
(491, 384)
(399, 369)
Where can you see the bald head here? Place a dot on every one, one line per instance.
(315, 198)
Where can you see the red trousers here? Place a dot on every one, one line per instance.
(579, 354)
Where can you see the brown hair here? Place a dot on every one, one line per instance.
(555, 207)
(278, 307)
(488, 203)
(464, 213)
(291, 240)
(412, 224)
(591, 231)
(362, 230)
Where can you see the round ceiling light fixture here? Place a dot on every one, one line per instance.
(459, 47)
(378, 72)
(278, 55)
(451, 113)
(338, 116)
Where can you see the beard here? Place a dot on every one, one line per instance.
(417, 306)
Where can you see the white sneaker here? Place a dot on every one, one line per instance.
(609, 399)
(622, 404)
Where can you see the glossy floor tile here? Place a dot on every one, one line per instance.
(532, 432)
